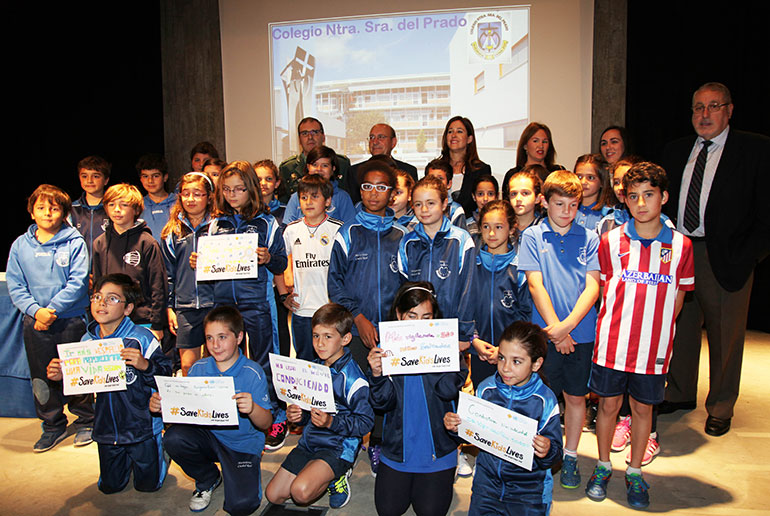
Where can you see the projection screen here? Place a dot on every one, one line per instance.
(411, 70)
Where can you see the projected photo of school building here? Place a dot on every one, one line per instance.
(412, 71)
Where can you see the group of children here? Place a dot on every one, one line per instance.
(521, 274)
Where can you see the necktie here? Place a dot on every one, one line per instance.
(692, 205)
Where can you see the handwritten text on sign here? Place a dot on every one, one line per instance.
(198, 400)
(92, 366)
(222, 257)
(303, 383)
(419, 346)
(497, 430)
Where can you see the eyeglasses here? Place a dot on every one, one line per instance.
(373, 137)
(195, 195)
(314, 132)
(109, 299)
(368, 187)
(237, 189)
(711, 108)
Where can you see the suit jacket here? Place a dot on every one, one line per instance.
(736, 220)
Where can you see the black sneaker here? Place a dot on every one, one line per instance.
(277, 436)
(49, 439)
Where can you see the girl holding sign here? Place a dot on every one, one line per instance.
(418, 455)
(501, 487)
(241, 210)
(189, 301)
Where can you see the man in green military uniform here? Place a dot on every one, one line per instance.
(311, 135)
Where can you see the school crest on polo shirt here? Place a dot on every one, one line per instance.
(443, 271)
(581, 257)
(666, 254)
(133, 258)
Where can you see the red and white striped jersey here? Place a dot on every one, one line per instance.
(636, 324)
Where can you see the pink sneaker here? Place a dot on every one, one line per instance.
(653, 448)
(622, 435)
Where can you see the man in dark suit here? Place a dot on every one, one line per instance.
(719, 184)
(382, 141)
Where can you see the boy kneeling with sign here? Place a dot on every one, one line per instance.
(238, 449)
(327, 449)
(127, 435)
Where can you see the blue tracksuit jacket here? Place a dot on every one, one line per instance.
(505, 481)
(447, 262)
(251, 292)
(363, 267)
(123, 417)
(354, 417)
(183, 290)
(500, 293)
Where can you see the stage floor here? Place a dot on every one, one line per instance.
(694, 474)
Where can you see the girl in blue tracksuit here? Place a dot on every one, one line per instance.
(501, 487)
(440, 253)
(188, 300)
(241, 210)
(418, 455)
(499, 288)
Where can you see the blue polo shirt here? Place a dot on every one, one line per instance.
(590, 218)
(156, 214)
(248, 376)
(564, 261)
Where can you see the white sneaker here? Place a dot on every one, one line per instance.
(463, 468)
(201, 499)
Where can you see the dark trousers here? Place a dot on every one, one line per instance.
(40, 347)
(196, 450)
(302, 337)
(724, 314)
(429, 494)
(144, 459)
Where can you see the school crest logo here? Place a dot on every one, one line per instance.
(133, 258)
(393, 264)
(490, 36)
(581, 258)
(666, 254)
(130, 375)
(62, 258)
(443, 271)
(508, 300)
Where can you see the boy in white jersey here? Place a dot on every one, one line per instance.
(309, 242)
(646, 267)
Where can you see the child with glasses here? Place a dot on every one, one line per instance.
(363, 272)
(128, 436)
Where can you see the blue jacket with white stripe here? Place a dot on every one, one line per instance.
(354, 417)
(123, 417)
(501, 294)
(447, 262)
(503, 480)
(363, 267)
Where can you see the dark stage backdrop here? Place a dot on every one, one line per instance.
(674, 47)
(85, 78)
